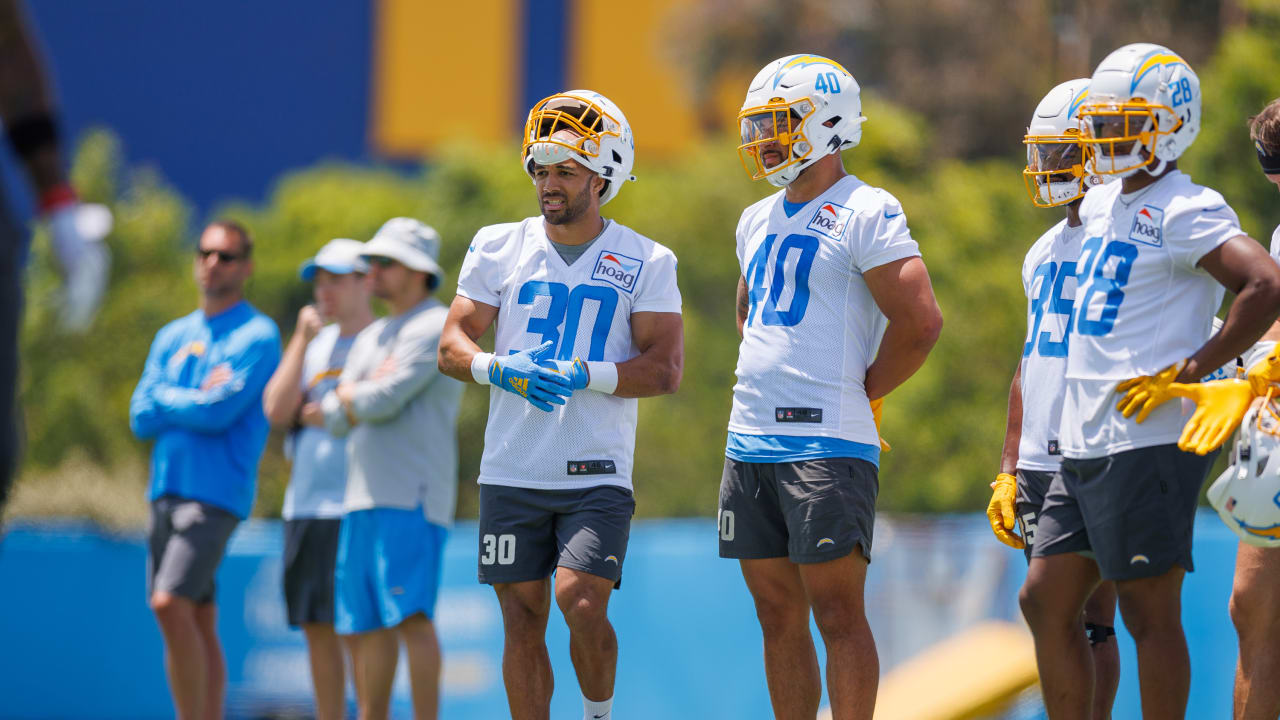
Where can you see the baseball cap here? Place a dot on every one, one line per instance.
(340, 257)
(409, 242)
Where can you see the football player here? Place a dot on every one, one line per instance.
(1057, 175)
(1157, 253)
(588, 319)
(835, 309)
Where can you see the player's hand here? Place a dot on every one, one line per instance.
(1000, 511)
(876, 406)
(521, 374)
(1265, 372)
(576, 370)
(1147, 392)
(311, 414)
(309, 322)
(76, 231)
(1220, 406)
(219, 375)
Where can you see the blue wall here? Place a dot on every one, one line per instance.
(78, 640)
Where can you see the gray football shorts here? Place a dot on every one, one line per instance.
(1133, 512)
(1032, 486)
(526, 534)
(185, 546)
(809, 511)
(310, 561)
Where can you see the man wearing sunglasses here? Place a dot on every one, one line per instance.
(400, 416)
(200, 401)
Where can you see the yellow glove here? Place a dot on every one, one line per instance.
(1000, 511)
(1147, 392)
(1265, 372)
(876, 406)
(1220, 405)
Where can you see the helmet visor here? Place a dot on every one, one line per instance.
(1122, 134)
(772, 137)
(562, 126)
(1055, 169)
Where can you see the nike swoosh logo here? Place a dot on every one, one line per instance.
(471, 247)
(887, 216)
(1213, 209)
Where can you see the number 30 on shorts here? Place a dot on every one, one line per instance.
(498, 548)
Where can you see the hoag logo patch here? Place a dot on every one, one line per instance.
(1146, 226)
(831, 220)
(617, 269)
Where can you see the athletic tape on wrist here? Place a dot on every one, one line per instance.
(480, 367)
(602, 376)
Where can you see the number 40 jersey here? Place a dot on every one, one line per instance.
(812, 327)
(585, 309)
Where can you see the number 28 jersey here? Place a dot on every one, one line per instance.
(812, 327)
(1141, 304)
(585, 309)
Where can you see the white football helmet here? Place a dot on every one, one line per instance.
(1247, 494)
(1143, 107)
(806, 104)
(1058, 168)
(585, 126)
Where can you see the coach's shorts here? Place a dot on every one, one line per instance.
(810, 511)
(1133, 512)
(185, 546)
(310, 560)
(526, 534)
(388, 568)
(1032, 486)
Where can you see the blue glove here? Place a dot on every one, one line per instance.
(519, 373)
(575, 370)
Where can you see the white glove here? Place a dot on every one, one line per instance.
(76, 231)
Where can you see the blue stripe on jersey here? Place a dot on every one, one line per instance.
(791, 208)
(792, 448)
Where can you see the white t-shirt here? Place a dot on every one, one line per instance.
(318, 478)
(1141, 305)
(1049, 281)
(813, 327)
(586, 309)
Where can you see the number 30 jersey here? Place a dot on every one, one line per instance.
(1141, 305)
(585, 309)
(812, 327)
(1049, 281)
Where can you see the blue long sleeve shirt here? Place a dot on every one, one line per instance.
(207, 442)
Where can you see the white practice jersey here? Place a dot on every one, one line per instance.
(1049, 281)
(813, 327)
(585, 309)
(1275, 243)
(1141, 305)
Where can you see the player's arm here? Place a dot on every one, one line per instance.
(144, 416)
(744, 303)
(1013, 425)
(1001, 510)
(214, 407)
(1244, 268)
(283, 396)
(658, 368)
(467, 321)
(904, 294)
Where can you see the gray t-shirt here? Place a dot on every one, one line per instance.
(403, 450)
(571, 253)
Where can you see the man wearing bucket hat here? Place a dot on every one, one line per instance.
(312, 509)
(401, 416)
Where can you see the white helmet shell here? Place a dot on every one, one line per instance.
(808, 105)
(1141, 97)
(585, 126)
(1054, 150)
(1247, 494)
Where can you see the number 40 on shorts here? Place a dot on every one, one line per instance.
(498, 548)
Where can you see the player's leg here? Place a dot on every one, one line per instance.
(1100, 620)
(517, 553)
(754, 531)
(835, 589)
(423, 650)
(1255, 610)
(592, 527)
(1152, 611)
(413, 551)
(374, 655)
(215, 664)
(526, 667)
(790, 659)
(184, 653)
(310, 553)
(358, 617)
(1059, 581)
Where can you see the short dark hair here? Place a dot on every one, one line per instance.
(1264, 128)
(240, 231)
